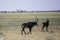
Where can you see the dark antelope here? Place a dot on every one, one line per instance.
(29, 25)
(45, 24)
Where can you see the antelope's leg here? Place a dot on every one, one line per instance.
(46, 28)
(42, 28)
(23, 30)
(30, 29)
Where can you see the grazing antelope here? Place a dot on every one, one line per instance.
(29, 25)
(45, 24)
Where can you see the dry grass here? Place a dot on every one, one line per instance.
(10, 28)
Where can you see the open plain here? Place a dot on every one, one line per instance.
(10, 26)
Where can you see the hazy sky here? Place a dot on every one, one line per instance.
(30, 5)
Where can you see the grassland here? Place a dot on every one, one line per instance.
(10, 25)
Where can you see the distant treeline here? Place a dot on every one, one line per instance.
(27, 11)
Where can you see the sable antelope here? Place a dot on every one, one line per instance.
(29, 25)
(45, 24)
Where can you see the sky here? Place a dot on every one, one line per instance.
(29, 5)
